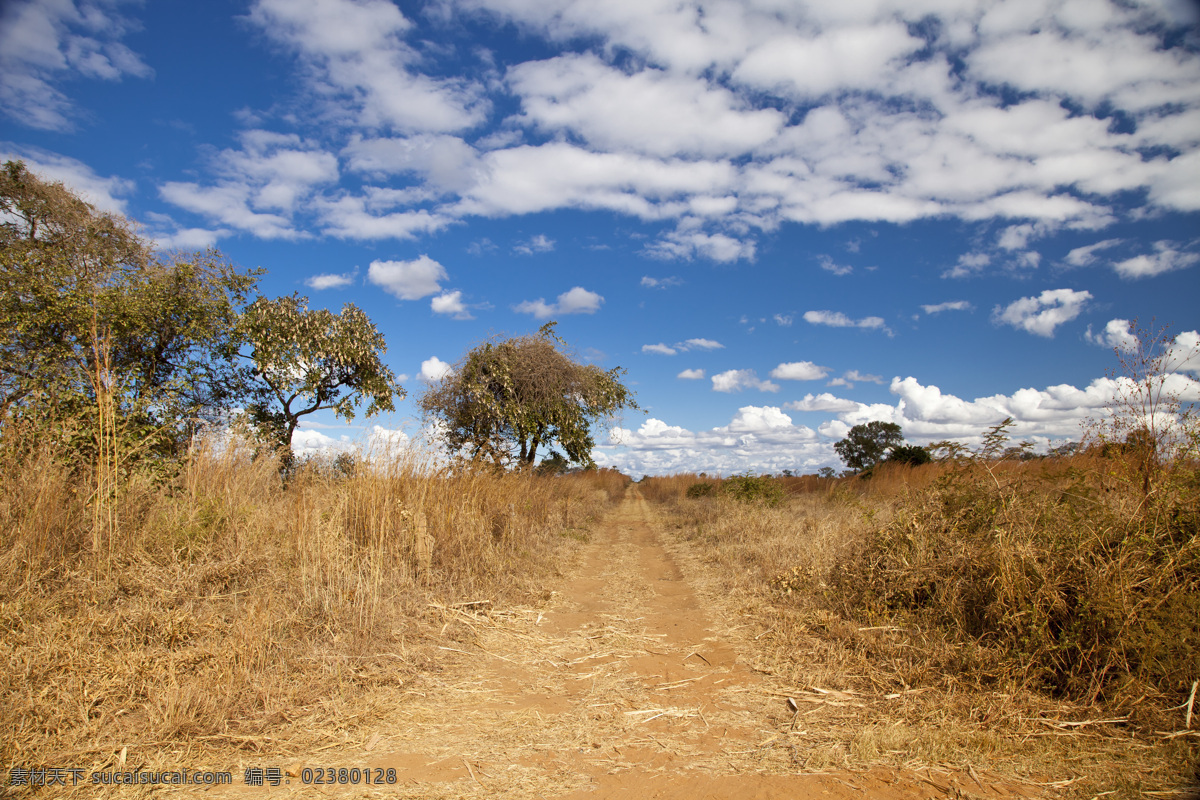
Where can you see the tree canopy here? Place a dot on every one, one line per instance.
(867, 444)
(79, 286)
(307, 360)
(506, 398)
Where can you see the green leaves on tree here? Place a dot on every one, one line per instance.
(507, 398)
(306, 360)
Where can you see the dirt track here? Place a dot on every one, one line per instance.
(623, 687)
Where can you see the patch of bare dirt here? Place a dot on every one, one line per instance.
(624, 685)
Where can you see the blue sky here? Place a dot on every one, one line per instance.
(782, 218)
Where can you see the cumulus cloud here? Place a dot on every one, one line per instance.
(1166, 258)
(574, 301)
(1042, 314)
(331, 280)
(661, 349)
(1118, 333)
(767, 439)
(735, 380)
(650, 111)
(799, 371)
(691, 375)
(450, 304)
(408, 280)
(434, 369)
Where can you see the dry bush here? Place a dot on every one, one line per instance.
(1014, 592)
(230, 610)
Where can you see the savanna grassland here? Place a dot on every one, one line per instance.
(193, 618)
(1039, 616)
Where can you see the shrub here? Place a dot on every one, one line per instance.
(753, 488)
(701, 490)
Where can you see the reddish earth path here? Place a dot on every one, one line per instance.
(623, 687)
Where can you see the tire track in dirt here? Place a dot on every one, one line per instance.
(622, 687)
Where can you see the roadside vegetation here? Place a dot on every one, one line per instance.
(1046, 609)
(177, 587)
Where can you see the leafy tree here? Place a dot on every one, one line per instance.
(826, 472)
(507, 398)
(306, 360)
(909, 454)
(80, 287)
(866, 445)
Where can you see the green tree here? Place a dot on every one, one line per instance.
(507, 398)
(866, 445)
(909, 454)
(79, 286)
(306, 360)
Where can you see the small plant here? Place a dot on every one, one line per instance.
(754, 489)
(697, 490)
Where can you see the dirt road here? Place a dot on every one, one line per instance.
(622, 687)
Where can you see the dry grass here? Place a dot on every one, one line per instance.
(232, 613)
(1007, 609)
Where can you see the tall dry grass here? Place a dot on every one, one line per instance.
(231, 611)
(1058, 581)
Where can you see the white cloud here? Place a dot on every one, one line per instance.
(1042, 314)
(862, 377)
(1166, 258)
(799, 371)
(537, 244)
(446, 163)
(331, 280)
(691, 375)
(1118, 333)
(661, 349)
(45, 43)
(735, 380)
(260, 186)
(951, 305)
(822, 402)
(700, 344)
(451, 304)
(649, 111)
(434, 369)
(687, 244)
(104, 193)
(829, 265)
(408, 280)
(968, 264)
(1086, 255)
(660, 283)
(836, 319)
(354, 55)
(783, 320)
(574, 301)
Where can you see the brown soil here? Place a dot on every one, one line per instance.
(627, 684)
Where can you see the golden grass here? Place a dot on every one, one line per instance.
(231, 611)
(883, 587)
